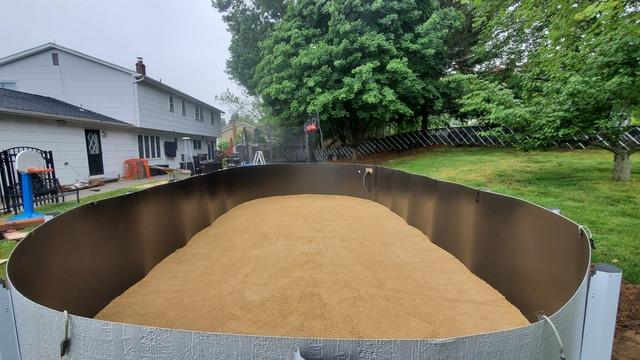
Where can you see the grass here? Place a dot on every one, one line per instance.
(7, 246)
(577, 182)
(5, 250)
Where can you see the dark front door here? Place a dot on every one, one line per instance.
(94, 152)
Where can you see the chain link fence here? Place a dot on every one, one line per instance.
(293, 148)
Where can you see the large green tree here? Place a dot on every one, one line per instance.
(555, 69)
(249, 22)
(362, 65)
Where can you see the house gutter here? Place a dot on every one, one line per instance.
(10, 111)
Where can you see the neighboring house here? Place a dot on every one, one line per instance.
(227, 131)
(148, 113)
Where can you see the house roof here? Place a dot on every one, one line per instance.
(49, 46)
(140, 77)
(17, 102)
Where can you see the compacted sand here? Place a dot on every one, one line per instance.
(314, 266)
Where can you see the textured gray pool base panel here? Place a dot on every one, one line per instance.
(40, 331)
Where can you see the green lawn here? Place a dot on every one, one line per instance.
(7, 246)
(577, 182)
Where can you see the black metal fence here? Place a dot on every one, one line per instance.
(451, 136)
(45, 185)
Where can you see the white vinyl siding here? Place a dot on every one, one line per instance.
(154, 115)
(67, 142)
(77, 81)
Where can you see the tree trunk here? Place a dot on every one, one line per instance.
(424, 125)
(621, 166)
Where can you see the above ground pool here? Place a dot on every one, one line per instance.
(336, 261)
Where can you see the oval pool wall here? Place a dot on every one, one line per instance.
(84, 258)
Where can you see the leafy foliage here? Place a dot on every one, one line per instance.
(249, 21)
(243, 107)
(556, 69)
(362, 65)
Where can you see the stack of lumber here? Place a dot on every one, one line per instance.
(10, 229)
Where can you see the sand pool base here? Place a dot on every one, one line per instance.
(319, 266)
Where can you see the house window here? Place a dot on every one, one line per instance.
(184, 108)
(213, 117)
(54, 59)
(197, 144)
(11, 85)
(171, 109)
(199, 114)
(153, 147)
(211, 149)
(149, 147)
(140, 147)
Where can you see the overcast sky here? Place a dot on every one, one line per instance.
(184, 43)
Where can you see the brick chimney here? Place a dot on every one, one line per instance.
(140, 67)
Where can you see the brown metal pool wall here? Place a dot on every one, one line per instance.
(534, 257)
(506, 241)
(84, 258)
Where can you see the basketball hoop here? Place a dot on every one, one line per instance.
(34, 170)
(29, 162)
(310, 128)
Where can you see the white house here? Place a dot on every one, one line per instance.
(148, 114)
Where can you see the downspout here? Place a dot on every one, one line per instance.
(135, 98)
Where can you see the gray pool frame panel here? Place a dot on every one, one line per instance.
(81, 260)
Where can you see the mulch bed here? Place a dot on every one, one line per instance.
(626, 344)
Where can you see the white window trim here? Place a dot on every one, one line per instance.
(156, 144)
